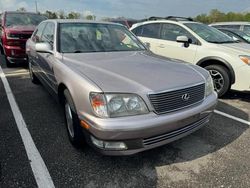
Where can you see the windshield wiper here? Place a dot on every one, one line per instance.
(78, 51)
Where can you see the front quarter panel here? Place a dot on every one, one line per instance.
(78, 85)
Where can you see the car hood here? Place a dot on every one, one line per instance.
(20, 28)
(240, 48)
(133, 71)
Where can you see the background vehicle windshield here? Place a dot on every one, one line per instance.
(89, 37)
(23, 19)
(209, 34)
(243, 35)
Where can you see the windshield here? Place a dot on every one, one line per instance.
(209, 34)
(23, 19)
(94, 37)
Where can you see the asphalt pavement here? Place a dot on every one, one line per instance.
(215, 156)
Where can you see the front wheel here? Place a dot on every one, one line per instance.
(220, 78)
(72, 120)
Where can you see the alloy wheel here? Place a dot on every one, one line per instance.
(218, 80)
(69, 120)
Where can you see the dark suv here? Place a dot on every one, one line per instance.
(16, 28)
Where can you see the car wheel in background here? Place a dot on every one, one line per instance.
(72, 120)
(220, 78)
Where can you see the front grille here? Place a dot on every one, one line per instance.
(174, 100)
(169, 135)
(20, 35)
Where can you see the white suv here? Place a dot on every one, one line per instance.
(227, 61)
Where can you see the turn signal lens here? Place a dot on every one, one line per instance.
(84, 124)
(245, 59)
(98, 104)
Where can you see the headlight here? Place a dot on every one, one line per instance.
(12, 36)
(245, 59)
(117, 105)
(209, 85)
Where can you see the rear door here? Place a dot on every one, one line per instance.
(167, 45)
(149, 34)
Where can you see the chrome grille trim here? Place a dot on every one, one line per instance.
(169, 135)
(170, 101)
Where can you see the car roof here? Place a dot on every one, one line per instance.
(19, 12)
(163, 21)
(79, 21)
(231, 23)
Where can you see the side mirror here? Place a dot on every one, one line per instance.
(43, 47)
(185, 40)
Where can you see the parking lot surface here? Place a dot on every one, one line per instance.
(217, 155)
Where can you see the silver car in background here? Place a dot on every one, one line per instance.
(117, 95)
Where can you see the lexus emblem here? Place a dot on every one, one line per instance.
(185, 97)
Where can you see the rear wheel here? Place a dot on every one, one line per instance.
(72, 120)
(220, 78)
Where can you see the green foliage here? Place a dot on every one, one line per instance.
(61, 14)
(217, 16)
(74, 15)
(21, 9)
(50, 15)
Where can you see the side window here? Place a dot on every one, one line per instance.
(48, 33)
(137, 31)
(150, 30)
(172, 31)
(246, 29)
(230, 26)
(37, 36)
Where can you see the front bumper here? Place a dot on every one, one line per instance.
(242, 81)
(15, 54)
(144, 132)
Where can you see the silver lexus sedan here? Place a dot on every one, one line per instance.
(118, 97)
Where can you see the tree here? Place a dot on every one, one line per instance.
(73, 15)
(21, 9)
(50, 15)
(61, 14)
(217, 16)
(89, 17)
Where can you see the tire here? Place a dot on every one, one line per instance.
(72, 120)
(220, 77)
(1, 49)
(8, 64)
(33, 77)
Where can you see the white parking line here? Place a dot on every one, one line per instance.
(232, 117)
(40, 171)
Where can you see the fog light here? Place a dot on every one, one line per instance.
(97, 142)
(115, 145)
(108, 145)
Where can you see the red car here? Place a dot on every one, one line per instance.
(127, 23)
(15, 29)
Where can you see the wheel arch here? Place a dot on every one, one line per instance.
(218, 61)
(60, 90)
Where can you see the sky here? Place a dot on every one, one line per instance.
(130, 8)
